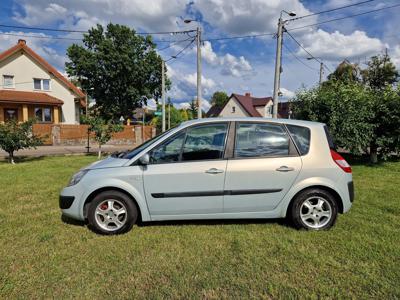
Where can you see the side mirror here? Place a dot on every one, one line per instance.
(144, 160)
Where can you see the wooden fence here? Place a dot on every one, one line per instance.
(63, 134)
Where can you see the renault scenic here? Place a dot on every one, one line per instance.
(218, 168)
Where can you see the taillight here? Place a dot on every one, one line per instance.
(340, 161)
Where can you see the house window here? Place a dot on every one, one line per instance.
(43, 114)
(233, 109)
(10, 114)
(41, 84)
(8, 81)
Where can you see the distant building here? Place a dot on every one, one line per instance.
(248, 106)
(31, 88)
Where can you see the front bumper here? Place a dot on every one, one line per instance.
(65, 202)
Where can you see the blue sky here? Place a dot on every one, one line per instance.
(235, 66)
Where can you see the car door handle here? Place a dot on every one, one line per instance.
(214, 171)
(285, 169)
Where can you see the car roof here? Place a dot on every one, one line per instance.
(251, 119)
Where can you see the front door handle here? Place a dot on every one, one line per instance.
(214, 171)
(285, 169)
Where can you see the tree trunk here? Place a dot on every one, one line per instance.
(373, 153)
(11, 158)
(99, 154)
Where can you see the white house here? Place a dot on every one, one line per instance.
(248, 106)
(31, 88)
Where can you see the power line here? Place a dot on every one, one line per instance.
(346, 17)
(295, 56)
(40, 37)
(174, 43)
(239, 37)
(85, 31)
(330, 10)
(183, 49)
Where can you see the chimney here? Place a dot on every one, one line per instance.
(247, 95)
(23, 42)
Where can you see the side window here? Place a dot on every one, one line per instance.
(301, 136)
(261, 139)
(205, 142)
(169, 151)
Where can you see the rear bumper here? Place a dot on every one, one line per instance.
(350, 187)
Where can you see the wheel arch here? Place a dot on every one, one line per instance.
(334, 193)
(94, 193)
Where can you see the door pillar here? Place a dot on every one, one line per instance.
(24, 113)
(1, 114)
(56, 115)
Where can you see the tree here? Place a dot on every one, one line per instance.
(15, 136)
(175, 114)
(363, 113)
(102, 130)
(219, 99)
(380, 73)
(117, 68)
(345, 72)
(192, 110)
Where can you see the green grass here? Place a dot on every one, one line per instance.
(43, 257)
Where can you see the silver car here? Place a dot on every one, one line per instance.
(221, 168)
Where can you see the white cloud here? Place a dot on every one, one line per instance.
(337, 46)
(287, 94)
(395, 55)
(234, 66)
(248, 16)
(230, 64)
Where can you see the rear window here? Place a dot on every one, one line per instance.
(329, 138)
(301, 136)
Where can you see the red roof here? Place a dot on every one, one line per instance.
(28, 98)
(250, 103)
(21, 46)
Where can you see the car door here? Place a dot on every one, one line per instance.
(186, 172)
(264, 166)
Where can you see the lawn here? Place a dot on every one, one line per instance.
(43, 257)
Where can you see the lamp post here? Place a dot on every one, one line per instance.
(198, 42)
(278, 61)
(321, 67)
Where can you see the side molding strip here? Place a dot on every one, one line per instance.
(215, 193)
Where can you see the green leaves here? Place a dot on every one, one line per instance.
(117, 68)
(15, 136)
(363, 115)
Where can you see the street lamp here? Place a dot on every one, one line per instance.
(198, 42)
(278, 60)
(321, 67)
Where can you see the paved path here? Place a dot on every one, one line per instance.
(60, 150)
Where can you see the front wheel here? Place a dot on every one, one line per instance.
(112, 212)
(314, 209)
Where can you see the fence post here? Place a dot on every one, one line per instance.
(138, 135)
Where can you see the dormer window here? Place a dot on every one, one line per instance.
(8, 81)
(41, 84)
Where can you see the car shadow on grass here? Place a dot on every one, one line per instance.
(281, 221)
(67, 220)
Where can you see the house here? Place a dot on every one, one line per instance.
(31, 88)
(248, 106)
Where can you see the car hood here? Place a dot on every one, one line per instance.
(109, 162)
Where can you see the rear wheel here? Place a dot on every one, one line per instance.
(112, 212)
(314, 209)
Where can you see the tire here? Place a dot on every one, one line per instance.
(313, 209)
(112, 212)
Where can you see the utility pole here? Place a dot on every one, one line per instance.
(87, 119)
(169, 115)
(163, 93)
(278, 67)
(198, 38)
(321, 72)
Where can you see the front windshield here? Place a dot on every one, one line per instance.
(131, 153)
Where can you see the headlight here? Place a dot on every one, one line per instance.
(77, 177)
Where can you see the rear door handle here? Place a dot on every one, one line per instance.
(214, 171)
(285, 169)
